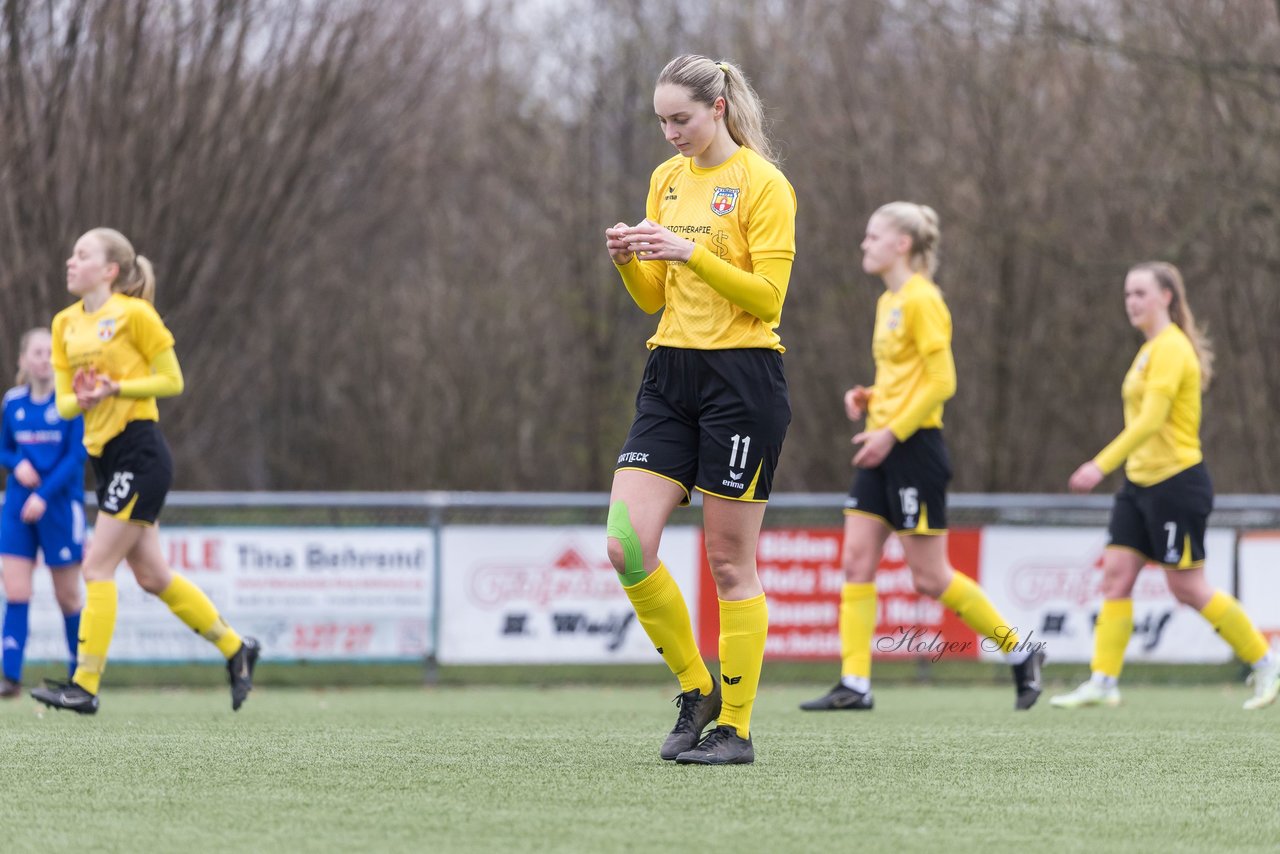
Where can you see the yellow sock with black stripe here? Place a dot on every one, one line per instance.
(190, 605)
(1225, 613)
(1111, 636)
(857, 625)
(97, 625)
(744, 625)
(966, 598)
(662, 613)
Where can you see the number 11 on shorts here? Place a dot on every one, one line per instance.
(733, 455)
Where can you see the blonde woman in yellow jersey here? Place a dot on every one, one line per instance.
(714, 254)
(1163, 506)
(112, 357)
(902, 465)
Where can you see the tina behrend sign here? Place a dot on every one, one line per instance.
(305, 593)
(539, 594)
(1048, 581)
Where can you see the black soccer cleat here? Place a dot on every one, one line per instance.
(841, 697)
(722, 746)
(696, 712)
(240, 671)
(1026, 679)
(66, 695)
(10, 689)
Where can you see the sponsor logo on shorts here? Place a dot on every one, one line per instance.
(633, 457)
(733, 484)
(1172, 556)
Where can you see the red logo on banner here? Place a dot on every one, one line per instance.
(800, 571)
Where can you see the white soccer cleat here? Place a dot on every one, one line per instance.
(1088, 694)
(1265, 680)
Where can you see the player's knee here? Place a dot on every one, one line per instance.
(931, 584)
(859, 562)
(625, 550)
(617, 554)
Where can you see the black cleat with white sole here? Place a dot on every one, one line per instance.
(722, 746)
(240, 671)
(66, 695)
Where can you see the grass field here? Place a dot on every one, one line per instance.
(519, 768)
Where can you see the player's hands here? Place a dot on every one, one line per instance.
(1085, 478)
(615, 240)
(876, 445)
(33, 509)
(92, 388)
(855, 402)
(652, 242)
(27, 474)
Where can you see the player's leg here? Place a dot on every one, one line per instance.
(17, 571)
(1121, 565)
(190, 604)
(732, 531)
(933, 576)
(112, 540)
(1228, 618)
(864, 537)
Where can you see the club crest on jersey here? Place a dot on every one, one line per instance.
(895, 319)
(724, 200)
(106, 328)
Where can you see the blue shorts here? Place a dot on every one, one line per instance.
(59, 533)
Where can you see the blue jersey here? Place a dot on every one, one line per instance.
(33, 430)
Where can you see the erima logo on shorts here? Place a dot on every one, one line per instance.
(633, 457)
(732, 484)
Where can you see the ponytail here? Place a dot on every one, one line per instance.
(137, 278)
(1170, 280)
(705, 80)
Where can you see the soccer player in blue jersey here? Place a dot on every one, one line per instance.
(43, 502)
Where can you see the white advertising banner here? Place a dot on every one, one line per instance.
(1047, 583)
(1259, 579)
(305, 593)
(538, 594)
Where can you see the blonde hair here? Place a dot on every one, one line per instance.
(920, 223)
(705, 80)
(21, 377)
(136, 277)
(1169, 279)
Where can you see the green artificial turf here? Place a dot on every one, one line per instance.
(519, 768)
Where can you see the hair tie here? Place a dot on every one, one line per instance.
(723, 68)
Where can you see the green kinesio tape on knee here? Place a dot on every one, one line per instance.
(619, 527)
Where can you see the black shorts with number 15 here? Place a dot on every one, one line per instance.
(713, 420)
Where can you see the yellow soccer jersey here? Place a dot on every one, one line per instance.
(911, 324)
(120, 340)
(1164, 378)
(743, 211)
